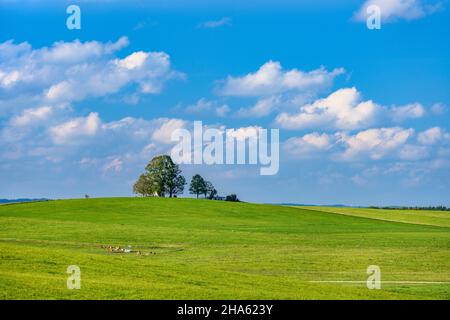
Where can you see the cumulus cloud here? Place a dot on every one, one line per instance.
(73, 71)
(345, 110)
(149, 71)
(39, 67)
(134, 60)
(393, 143)
(409, 111)
(38, 87)
(319, 141)
(164, 133)
(374, 143)
(393, 10)
(433, 136)
(87, 140)
(342, 110)
(271, 79)
(9, 50)
(32, 115)
(147, 134)
(309, 144)
(76, 129)
(8, 79)
(244, 132)
(77, 51)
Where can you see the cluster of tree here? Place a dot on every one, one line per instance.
(232, 197)
(435, 208)
(200, 186)
(162, 177)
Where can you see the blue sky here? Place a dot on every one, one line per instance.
(363, 114)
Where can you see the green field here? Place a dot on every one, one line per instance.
(200, 249)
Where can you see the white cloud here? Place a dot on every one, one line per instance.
(345, 110)
(225, 21)
(438, 108)
(30, 116)
(319, 141)
(409, 111)
(374, 143)
(262, 108)
(73, 71)
(148, 70)
(77, 51)
(272, 79)
(432, 136)
(9, 50)
(134, 60)
(9, 79)
(38, 86)
(139, 134)
(342, 110)
(393, 10)
(309, 144)
(244, 132)
(164, 133)
(63, 91)
(88, 142)
(74, 130)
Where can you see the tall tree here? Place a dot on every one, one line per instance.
(162, 176)
(175, 184)
(210, 191)
(198, 185)
(154, 172)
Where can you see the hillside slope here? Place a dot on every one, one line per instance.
(214, 250)
(425, 217)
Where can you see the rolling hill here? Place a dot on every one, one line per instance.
(201, 249)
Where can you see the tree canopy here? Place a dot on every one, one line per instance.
(161, 177)
(198, 185)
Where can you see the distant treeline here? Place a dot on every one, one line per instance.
(437, 208)
(21, 200)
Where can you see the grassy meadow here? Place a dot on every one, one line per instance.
(201, 249)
